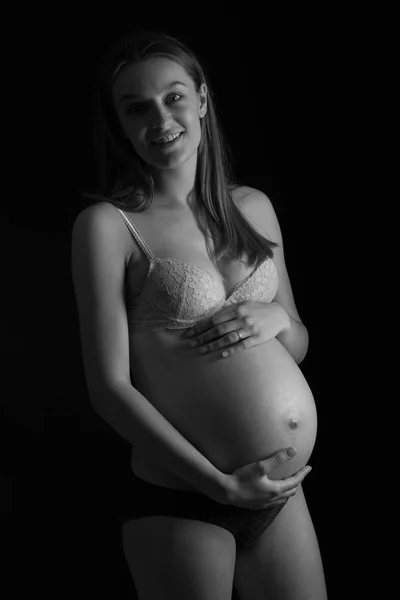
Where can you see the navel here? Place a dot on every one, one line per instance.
(293, 423)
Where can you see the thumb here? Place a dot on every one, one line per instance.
(278, 459)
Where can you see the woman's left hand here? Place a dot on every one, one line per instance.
(257, 322)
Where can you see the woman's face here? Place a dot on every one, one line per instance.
(147, 110)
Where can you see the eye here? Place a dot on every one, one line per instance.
(139, 107)
(179, 96)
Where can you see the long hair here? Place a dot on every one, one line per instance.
(121, 172)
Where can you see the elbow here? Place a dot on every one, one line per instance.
(301, 357)
(100, 393)
(96, 397)
(304, 348)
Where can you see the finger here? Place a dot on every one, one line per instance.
(202, 338)
(284, 496)
(303, 472)
(234, 349)
(214, 331)
(278, 459)
(241, 310)
(274, 503)
(199, 328)
(233, 346)
(220, 318)
(220, 336)
(288, 494)
(223, 316)
(277, 502)
(191, 332)
(209, 341)
(295, 480)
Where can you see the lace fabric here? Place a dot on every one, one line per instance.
(178, 295)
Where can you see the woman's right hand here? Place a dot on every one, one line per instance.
(250, 487)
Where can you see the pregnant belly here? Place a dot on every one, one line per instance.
(235, 411)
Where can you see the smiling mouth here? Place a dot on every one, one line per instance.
(163, 144)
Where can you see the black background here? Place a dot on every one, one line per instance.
(63, 468)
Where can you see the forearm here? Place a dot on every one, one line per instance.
(135, 419)
(294, 337)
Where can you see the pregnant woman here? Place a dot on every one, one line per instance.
(171, 246)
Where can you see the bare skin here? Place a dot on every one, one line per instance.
(236, 412)
(182, 375)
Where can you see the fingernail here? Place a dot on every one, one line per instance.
(290, 451)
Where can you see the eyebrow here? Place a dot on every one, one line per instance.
(167, 87)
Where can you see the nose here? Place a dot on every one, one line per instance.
(160, 118)
(160, 115)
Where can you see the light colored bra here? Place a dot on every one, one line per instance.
(178, 295)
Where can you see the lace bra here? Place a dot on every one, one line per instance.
(178, 295)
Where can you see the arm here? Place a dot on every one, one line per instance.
(98, 270)
(294, 335)
(135, 419)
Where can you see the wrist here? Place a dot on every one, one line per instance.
(214, 487)
(223, 489)
(230, 489)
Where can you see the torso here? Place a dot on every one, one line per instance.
(174, 233)
(235, 410)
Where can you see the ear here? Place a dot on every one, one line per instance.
(203, 99)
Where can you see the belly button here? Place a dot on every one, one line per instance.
(293, 424)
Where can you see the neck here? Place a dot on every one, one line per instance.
(174, 188)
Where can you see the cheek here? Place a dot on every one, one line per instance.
(135, 135)
(129, 128)
(135, 140)
(193, 128)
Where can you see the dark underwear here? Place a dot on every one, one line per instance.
(145, 499)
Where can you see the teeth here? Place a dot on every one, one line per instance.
(167, 139)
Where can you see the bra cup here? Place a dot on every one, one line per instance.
(176, 294)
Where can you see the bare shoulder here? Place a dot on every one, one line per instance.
(102, 219)
(100, 211)
(250, 198)
(241, 192)
(259, 209)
